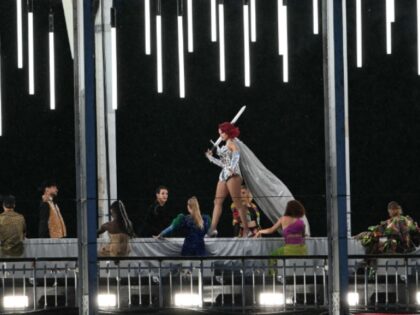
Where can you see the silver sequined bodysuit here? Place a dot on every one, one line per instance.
(226, 158)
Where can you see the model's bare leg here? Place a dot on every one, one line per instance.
(221, 193)
(234, 187)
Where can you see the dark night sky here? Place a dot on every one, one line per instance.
(161, 138)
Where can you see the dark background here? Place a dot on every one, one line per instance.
(161, 139)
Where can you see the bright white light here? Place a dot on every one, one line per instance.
(284, 44)
(190, 26)
(315, 16)
(279, 23)
(390, 18)
(147, 26)
(114, 91)
(181, 58)
(359, 32)
(185, 299)
(418, 37)
(107, 300)
(1, 105)
(222, 42)
(52, 70)
(19, 34)
(271, 299)
(213, 20)
(31, 53)
(418, 297)
(246, 46)
(353, 298)
(253, 21)
(15, 301)
(159, 53)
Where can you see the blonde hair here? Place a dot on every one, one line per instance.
(195, 212)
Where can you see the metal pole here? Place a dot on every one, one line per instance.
(335, 91)
(85, 148)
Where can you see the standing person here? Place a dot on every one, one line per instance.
(157, 216)
(230, 178)
(252, 215)
(51, 223)
(12, 228)
(195, 226)
(120, 230)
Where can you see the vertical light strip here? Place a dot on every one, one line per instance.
(315, 18)
(1, 94)
(147, 35)
(285, 46)
(52, 61)
(390, 18)
(181, 57)
(19, 34)
(359, 33)
(418, 37)
(31, 71)
(279, 23)
(247, 74)
(159, 49)
(213, 17)
(190, 26)
(222, 41)
(253, 21)
(114, 91)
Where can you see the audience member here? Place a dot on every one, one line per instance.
(51, 223)
(252, 215)
(12, 228)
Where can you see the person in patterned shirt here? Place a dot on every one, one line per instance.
(12, 229)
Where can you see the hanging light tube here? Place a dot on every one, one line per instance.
(246, 44)
(114, 91)
(19, 34)
(31, 71)
(253, 21)
(1, 96)
(147, 35)
(315, 18)
(279, 23)
(359, 33)
(159, 47)
(282, 34)
(222, 41)
(418, 37)
(181, 50)
(190, 26)
(213, 18)
(390, 18)
(52, 60)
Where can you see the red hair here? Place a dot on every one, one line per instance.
(230, 129)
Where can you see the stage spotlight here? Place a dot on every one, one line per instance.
(390, 18)
(159, 48)
(114, 91)
(271, 299)
(190, 26)
(107, 300)
(186, 299)
(19, 33)
(31, 71)
(353, 298)
(253, 21)
(213, 17)
(147, 27)
(181, 51)
(359, 32)
(315, 16)
(15, 301)
(52, 61)
(246, 44)
(418, 297)
(282, 37)
(222, 41)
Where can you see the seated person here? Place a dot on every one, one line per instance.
(120, 230)
(293, 230)
(399, 232)
(12, 229)
(252, 216)
(195, 227)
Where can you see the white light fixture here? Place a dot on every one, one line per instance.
(31, 71)
(52, 60)
(271, 299)
(19, 34)
(418, 297)
(1, 104)
(15, 301)
(418, 37)
(147, 27)
(246, 44)
(159, 47)
(190, 26)
(253, 20)
(359, 33)
(390, 18)
(181, 51)
(315, 16)
(114, 91)
(282, 37)
(222, 41)
(213, 18)
(353, 298)
(107, 300)
(186, 299)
